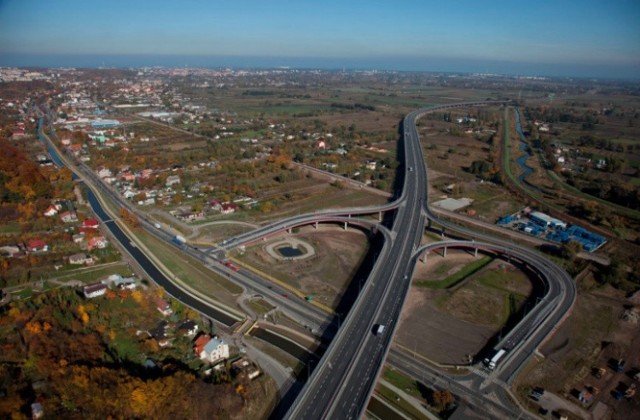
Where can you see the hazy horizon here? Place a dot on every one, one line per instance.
(434, 65)
(573, 38)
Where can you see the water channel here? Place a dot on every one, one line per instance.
(522, 160)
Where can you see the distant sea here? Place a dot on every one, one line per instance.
(399, 63)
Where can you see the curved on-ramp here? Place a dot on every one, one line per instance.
(347, 399)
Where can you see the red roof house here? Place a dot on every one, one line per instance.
(51, 211)
(36, 245)
(90, 223)
(97, 242)
(163, 306)
(200, 342)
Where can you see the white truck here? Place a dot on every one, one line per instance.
(179, 240)
(493, 362)
(379, 329)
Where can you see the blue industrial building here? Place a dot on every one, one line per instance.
(105, 123)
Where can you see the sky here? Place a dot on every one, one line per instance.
(548, 37)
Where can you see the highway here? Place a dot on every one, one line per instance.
(344, 379)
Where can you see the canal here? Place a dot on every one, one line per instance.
(522, 160)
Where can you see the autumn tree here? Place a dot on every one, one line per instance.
(442, 399)
(129, 218)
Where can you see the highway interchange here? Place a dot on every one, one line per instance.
(343, 380)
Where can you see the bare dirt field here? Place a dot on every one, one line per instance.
(448, 325)
(435, 334)
(325, 275)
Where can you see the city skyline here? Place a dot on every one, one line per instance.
(584, 39)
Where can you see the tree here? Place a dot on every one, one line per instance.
(570, 249)
(129, 218)
(442, 399)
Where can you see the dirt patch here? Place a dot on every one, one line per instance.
(325, 275)
(476, 304)
(435, 334)
(449, 325)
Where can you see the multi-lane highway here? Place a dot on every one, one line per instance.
(345, 377)
(343, 381)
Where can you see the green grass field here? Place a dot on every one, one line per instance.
(191, 271)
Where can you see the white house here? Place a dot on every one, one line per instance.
(172, 180)
(104, 172)
(81, 258)
(51, 211)
(215, 350)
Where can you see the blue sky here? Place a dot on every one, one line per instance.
(603, 36)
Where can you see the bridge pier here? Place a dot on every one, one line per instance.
(423, 257)
(345, 225)
(316, 225)
(444, 252)
(379, 216)
(289, 231)
(475, 252)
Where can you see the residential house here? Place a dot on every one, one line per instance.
(160, 333)
(80, 259)
(90, 224)
(371, 164)
(37, 245)
(78, 238)
(190, 216)
(129, 194)
(245, 368)
(104, 172)
(163, 306)
(188, 328)
(121, 283)
(97, 242)
(228, 208)
(129, 177)
(10, 251)
(17, 133)
(172, 180)
(94, 290)
(52, 210)
(128, 283)
(214, 351)
(75, 148)
(200, 342)
(68, 217)
(215, 205)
